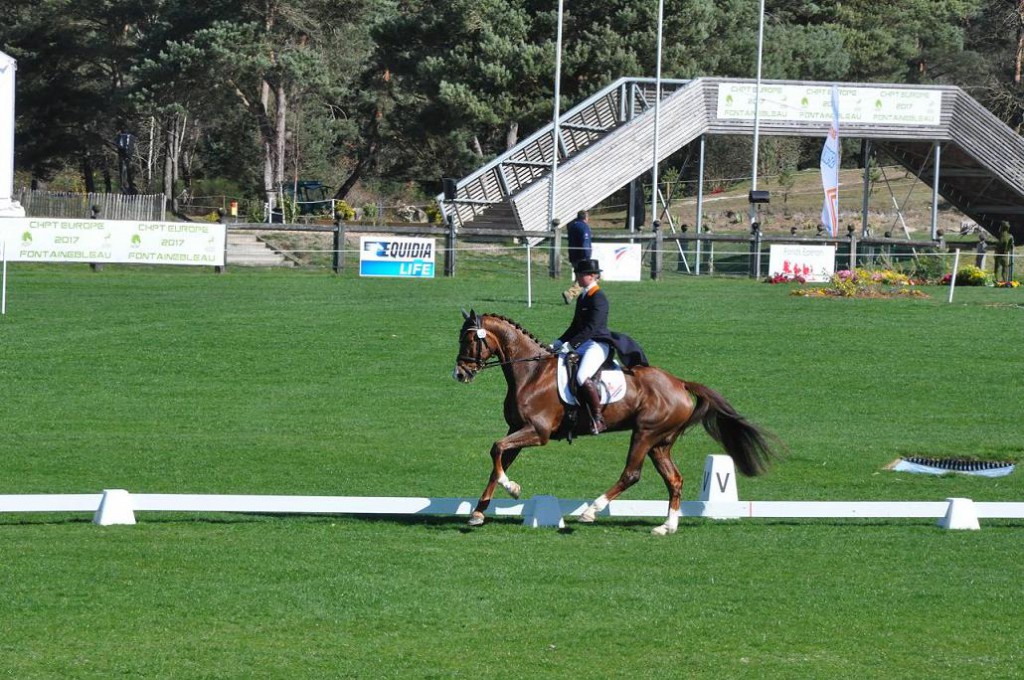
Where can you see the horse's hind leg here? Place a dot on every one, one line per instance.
(639, 445)
(662, 457)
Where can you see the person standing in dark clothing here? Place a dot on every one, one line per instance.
(1004, 251)
(579, 249)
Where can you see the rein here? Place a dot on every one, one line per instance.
(482, 364)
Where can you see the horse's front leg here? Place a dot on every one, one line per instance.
(503, 453)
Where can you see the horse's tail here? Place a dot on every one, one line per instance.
(748, 445)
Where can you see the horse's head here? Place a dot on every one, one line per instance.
(476, 346)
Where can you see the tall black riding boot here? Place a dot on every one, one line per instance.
(592, 394)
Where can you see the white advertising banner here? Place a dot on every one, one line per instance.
(813, 103)
(619, 261)
(59, 239)
(396, 256)
(811, 263)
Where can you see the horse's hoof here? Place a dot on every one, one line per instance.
(663, 530)
(476, 519)
(514, 490)
(587, 517)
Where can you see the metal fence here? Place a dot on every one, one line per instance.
(479, 249)
(141, 207)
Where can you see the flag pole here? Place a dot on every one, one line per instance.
(554, 254)
(757, 108)
(3, 296)
(657, 118)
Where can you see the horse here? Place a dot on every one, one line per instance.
(658, 407)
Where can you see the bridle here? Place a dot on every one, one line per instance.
(479, 341)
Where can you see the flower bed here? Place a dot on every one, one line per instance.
(863, 283)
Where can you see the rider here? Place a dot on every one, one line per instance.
(588, 334)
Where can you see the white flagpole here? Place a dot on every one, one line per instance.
(554, 120)
(552, 191)
(657, 119)
(757, 107)
(529, 276)
(3, 296)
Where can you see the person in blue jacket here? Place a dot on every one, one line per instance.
(589, 336)
(579, 249)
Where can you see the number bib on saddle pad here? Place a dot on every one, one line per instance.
(612, 385)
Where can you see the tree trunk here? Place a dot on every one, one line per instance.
(280, 134)
(170, 198)
(1018, 56)
(268, 158)
(149, 159)
(356, 174)
(512, 136)
(87, 174)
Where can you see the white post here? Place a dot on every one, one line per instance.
(757, 107)
(554, 120)
(700, 201)
(3, 296)
(952, 278)
(529, 276)
(657, 118)
(8, 206)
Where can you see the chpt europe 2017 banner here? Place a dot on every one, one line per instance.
(58, 239)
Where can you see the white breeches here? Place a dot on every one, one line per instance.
(593, 354)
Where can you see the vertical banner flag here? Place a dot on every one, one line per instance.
(830, 170)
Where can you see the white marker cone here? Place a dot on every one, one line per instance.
(719, 482)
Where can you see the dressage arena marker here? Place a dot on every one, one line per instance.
(117, 506)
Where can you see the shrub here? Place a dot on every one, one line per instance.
(434, 215)
(343, 210)
(972, 276)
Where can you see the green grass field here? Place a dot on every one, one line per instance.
(285, 382)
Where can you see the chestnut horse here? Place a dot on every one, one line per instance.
(658, 407)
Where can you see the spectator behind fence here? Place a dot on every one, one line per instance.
(579, 249)
(1004, 251)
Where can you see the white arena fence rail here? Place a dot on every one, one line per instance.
(118, 506)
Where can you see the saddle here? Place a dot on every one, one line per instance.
(611, 381)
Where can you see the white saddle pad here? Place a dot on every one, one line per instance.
(612, 385)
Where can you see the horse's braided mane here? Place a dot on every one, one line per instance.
(518, 326)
